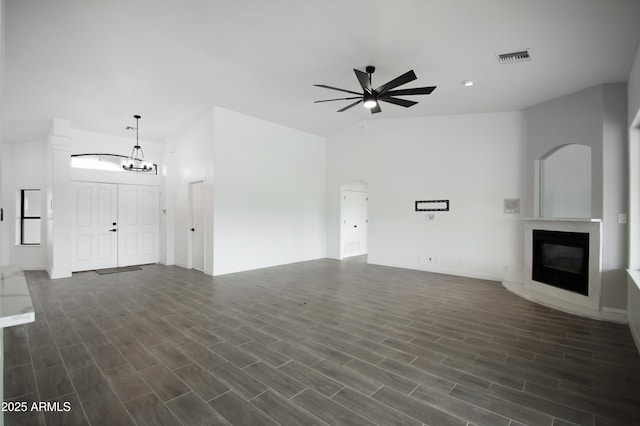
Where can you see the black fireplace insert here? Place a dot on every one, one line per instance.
(561, 259)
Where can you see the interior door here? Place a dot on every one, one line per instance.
(197, 225)
(355, 223)
(94, 240)
(138, 225)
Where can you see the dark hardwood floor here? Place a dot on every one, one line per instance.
(313, 343)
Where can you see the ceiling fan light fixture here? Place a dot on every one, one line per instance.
(369, 100)
(371, 97)
(370, 103)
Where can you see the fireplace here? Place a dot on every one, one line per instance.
(568, 271)
(561, 259)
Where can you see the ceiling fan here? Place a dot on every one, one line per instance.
(371, 97)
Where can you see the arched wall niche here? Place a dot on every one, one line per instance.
(565, 182)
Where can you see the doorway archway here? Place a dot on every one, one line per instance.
(354, 219)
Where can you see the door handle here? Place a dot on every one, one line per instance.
(193, 229)
(355, 226)
(113, 230)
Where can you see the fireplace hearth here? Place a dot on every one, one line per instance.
(568, 248)
(561, 259)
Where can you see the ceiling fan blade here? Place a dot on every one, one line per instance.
(364, 80)
(398, 81)
(376, 109)
(402, 102)
(338, 99)
(350, 105)
(414, 91)
(336, 88)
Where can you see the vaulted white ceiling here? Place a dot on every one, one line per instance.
(98, 62)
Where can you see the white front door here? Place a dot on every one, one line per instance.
(354, 223)
(94, 240)
(114, 225)
(138, 225)
(197, 225)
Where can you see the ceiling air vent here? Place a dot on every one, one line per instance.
(508, 58)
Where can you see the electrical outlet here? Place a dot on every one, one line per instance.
(622, 218)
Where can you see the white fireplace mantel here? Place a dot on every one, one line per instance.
(564, 300)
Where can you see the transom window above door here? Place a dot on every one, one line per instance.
(107, 162)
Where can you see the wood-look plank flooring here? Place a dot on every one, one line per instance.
(313, 343)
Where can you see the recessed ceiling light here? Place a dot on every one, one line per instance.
(467, 83)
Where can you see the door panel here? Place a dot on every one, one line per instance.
(149, 243)
(139, 225)
(84, 248)
(84, 206)
(105, 205)
(355, 223)
(197, 225)
(93, 245)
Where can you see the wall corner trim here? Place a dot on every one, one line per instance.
(55, 273)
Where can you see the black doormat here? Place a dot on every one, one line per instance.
(116, 270)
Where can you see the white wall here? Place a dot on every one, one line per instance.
(594, 117)
(633, 91)
(193, 157)
(565, 182)
(16, 176)
(269, 194)
(615, 155)
(571, 119)
(472, 160)
(4, 225)
(633, 121)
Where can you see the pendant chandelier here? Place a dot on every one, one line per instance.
(136, 162)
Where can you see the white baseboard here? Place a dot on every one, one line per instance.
(605, 314)
(33, 267)
(443, 271)
(55, 273)
(635, 334)
(615, 311)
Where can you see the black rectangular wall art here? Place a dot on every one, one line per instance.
(432, 206)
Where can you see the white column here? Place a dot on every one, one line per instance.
(59, 200)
